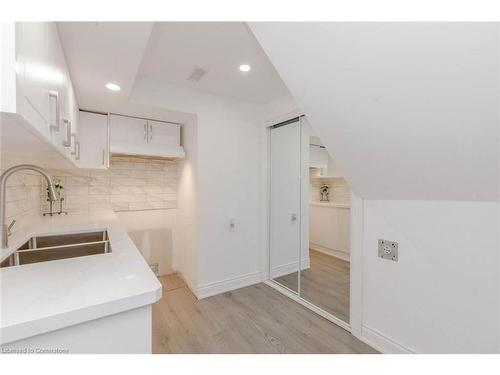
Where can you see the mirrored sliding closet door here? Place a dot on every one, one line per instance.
(309, 219)
(285, 204)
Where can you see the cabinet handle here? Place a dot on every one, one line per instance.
(145, 132)
(150, 132)
(104, 157)
(77, 145)
(67, 141)
(55, 126)
(73, 136)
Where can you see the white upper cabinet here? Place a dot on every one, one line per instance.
(38, 92)
(38, 77)
(128, 130)
(161, 133)
(93, 140)
(137, 136)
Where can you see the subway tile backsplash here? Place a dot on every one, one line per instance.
(340, 191)
(129, 184)
(22, 198)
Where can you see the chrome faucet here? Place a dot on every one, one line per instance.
(53, 196)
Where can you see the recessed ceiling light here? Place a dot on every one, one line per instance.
(113, 87)
(245, 67)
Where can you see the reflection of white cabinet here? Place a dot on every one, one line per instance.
(318, 157)
(330, 229)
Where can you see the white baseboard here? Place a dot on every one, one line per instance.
(289, 268)
(190, 287)
(335, 253)
(218, 287)
(383, 343)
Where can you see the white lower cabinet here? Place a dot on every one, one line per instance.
(330, 229)
(128, 332)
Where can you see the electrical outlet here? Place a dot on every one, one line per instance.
(154, 268)
(388, 250)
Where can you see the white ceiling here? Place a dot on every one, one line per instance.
(120, 52)
(409, 110)
(175, 48)
(101, 52)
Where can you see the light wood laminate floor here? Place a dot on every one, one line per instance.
(255, 319)
(326, 283)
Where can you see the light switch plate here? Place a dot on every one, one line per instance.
(388, 250)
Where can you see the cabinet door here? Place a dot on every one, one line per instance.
(93, 138)
(313, 155)
(323, 157)
(33, 51)
(128, 129)
(162, 133)
(58, 88)
(318, 157)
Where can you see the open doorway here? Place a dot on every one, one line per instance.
(309, 221)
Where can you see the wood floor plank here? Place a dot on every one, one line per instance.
(326, 283)
(255, 319)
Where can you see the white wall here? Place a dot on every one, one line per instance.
(185, 256)
(230, 138)
(410, 112)
(442, 296)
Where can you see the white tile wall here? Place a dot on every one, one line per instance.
(129, 184)
(340, 191)
(23, 201)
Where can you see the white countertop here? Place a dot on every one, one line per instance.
(329, 204)
(42, 297)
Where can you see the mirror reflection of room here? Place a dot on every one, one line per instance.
(326, 282)
(309, 219)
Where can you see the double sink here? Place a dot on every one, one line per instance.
(44, 248)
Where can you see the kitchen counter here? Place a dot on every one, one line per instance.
(43, 297)
(329, 204)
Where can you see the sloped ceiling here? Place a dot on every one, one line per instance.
(408, 110)
(175, 49)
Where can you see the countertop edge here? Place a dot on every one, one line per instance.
(24, 330)
(329, 204)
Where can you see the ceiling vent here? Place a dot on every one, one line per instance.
(197, 73)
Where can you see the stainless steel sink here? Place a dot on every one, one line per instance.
(46, 248)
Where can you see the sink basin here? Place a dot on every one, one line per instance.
(45, 248)
(42, 241)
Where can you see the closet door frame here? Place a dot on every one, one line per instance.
(355, 318)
